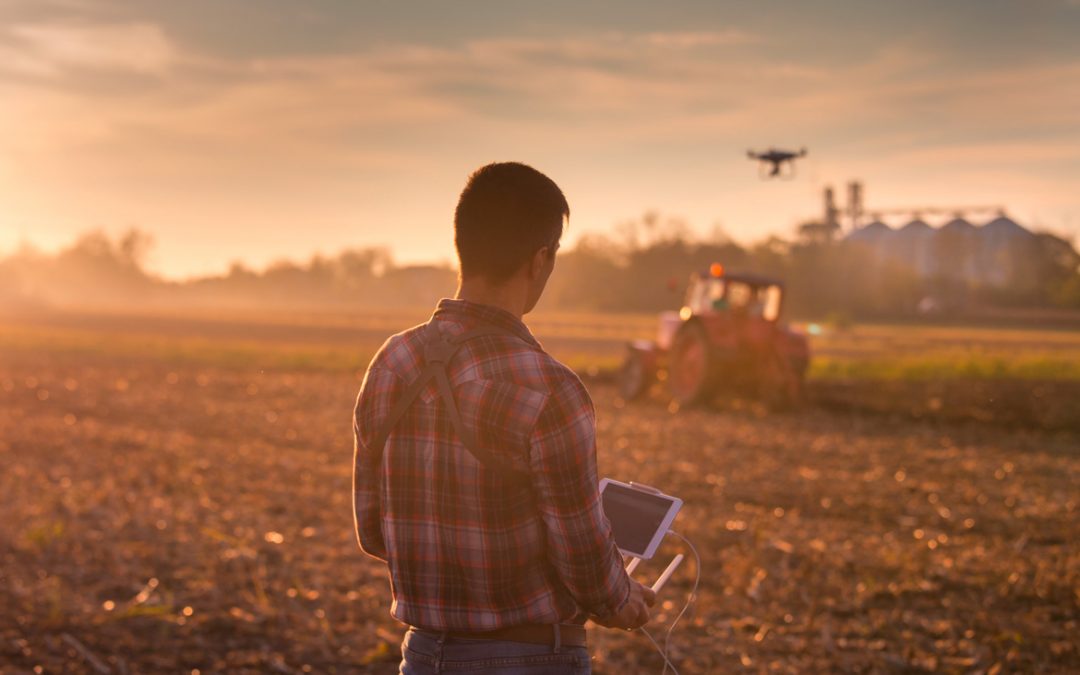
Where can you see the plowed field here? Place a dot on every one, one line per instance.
(164, 516)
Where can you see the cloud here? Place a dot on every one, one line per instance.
(610, 99)
(593, 90)
(52, 49)
(383, 93)
(691, 39)
(593, 93)
(960, 155)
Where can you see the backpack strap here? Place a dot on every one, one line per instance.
(438, 350)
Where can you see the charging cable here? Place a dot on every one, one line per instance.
(689, 602)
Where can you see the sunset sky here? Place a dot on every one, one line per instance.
(256, 130)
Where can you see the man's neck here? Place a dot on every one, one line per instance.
(509, 296)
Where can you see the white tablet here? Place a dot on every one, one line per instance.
(640, 515)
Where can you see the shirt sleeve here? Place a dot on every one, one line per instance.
(581, 546)
(367, 467)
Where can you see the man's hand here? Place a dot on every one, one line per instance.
(635, 613)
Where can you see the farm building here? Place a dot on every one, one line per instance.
(988, 255)
(997, 254)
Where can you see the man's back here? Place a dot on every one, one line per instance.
(469, 549)
(491, 562)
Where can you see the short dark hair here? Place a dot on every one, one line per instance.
(506, 213)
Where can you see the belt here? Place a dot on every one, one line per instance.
(569, 635)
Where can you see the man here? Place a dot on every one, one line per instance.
(475, 473)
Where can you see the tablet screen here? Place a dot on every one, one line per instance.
(635, 516)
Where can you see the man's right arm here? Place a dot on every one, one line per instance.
(367, 469)
(581, 547)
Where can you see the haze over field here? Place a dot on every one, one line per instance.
(257, 131)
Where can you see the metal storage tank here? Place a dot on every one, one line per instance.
(872, 239)
(955, 250)
(1002, 245)
(912, 246)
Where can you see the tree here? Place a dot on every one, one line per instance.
(134, 247)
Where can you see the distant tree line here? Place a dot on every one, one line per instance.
(643, 266)
(96, 271)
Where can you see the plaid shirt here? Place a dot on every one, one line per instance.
(467, 550)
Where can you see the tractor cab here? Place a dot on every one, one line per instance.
(747, 295)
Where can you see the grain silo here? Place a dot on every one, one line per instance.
(912, 246)
(1002, 247)
(955, 251)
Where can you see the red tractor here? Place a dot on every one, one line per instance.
(726, 338)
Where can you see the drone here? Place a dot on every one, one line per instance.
(772, 162)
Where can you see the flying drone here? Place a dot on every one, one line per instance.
(773, 161)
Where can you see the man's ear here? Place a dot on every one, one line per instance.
(539, 260)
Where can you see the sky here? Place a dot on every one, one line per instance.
(257, 130)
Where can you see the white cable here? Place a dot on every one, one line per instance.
(689, 601)
(693, 593)
(661, 652)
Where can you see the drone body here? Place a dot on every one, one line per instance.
(773, 161)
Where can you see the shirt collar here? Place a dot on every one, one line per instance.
(463, 310)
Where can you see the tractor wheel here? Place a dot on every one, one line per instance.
(635, 376)
(691, 369)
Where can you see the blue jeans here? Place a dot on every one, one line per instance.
(427, 653)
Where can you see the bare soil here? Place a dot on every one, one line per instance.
(1013, 403)
(165, 518)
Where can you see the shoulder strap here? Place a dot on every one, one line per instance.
(438, 350)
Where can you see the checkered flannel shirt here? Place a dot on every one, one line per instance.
(467, 550)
